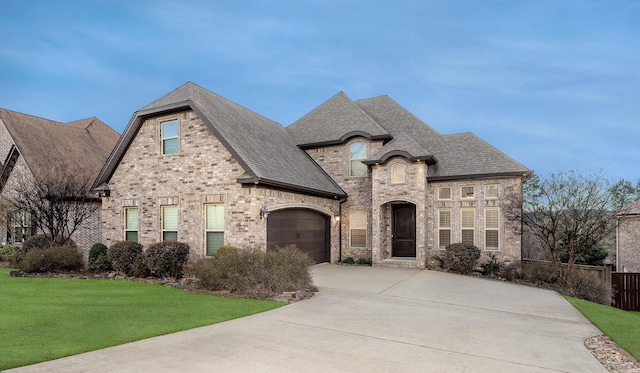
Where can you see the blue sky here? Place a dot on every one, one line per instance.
(555, 84)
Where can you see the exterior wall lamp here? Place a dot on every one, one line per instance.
(336, 216)
(264, 212)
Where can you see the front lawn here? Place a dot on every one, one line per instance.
(47, 318)
(621, 326)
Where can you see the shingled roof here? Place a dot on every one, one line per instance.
(458, 156)
(333, 122)
(84, 144)
(401, 145)
(631, 209)
(264, 149)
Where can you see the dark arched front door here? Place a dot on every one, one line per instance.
(306, 229)
(404, 230)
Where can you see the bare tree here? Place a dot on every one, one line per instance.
(566, 212)
(58, 200)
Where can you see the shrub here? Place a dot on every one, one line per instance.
(492, 266)
(9, 254)
(98, 260)
(123, 255)
(140, 268)
(225, 248)
(363, 261)
(587, 285)
(461, 258)
(166, 258)
(52, 259)
(435, 262)
(511, 271)
(43, 241)
(544, 273)
(349, 260)
(254, 273)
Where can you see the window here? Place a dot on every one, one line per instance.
(131, 224)
(444, 228)
(357, 153)
(467, 192)
(397, 173)
(468, 224)
(491, 225)
(214, 228)
(358, 228)
(444, 193)
(491, 191)
(170, 137)
(169, 223)
(21, 226)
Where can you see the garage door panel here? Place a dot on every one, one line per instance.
(306, 229)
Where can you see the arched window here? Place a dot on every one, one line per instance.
(397, 173)
(357, 153)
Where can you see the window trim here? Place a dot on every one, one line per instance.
(403, 167)
(439, 193)
(127, 229)
(353, 159)
(207, 230)
(164, 230)
(164, 139)
(471, 228)
(467, 196)
(492, 229)
(353, 227)
(486, 188)
(442, 228)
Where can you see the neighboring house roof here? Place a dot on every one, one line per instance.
(401, 145)
(333, 122)
(631, 209)
(457, 156)
(261, 146)
(84, 145)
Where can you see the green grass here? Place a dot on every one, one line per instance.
(47, 318)
(621, 326)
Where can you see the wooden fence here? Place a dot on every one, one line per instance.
(626, 290)
(604, 272)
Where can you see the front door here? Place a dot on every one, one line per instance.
(403, 230)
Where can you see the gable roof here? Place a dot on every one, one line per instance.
(84, 144)
(458, 156)
(333, 122)
(261, 146)
(631, 209)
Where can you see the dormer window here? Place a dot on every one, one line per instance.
(357, 154)
(170, 137)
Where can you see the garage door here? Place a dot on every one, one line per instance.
(306, 229)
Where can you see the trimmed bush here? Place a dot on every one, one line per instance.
(492, 266)
(140, 268)
(9, 254)
(123, 256)
(43, 241)
(98, 261)
(254, 273)
(166, 258)
(52, 259)
(461, 258)
(588, 286)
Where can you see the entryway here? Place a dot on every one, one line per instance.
(403, 230)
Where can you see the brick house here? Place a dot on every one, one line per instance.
(628, 236)
(365, 179)
(31, 147)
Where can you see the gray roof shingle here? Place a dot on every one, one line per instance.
(401, 145)
(263, 147)
(333, 122)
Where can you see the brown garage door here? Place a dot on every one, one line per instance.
(306, 229)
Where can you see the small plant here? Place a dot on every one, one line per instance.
(41, 241)
(123, 255)
(436, 262)
(461, 258)
(511, 271)
(9, 254)
(588, 286)
(52, 259)
(349, 260)
(492, 266)
(166, 258)
(363, 261)
(540, 273)
(98, 260)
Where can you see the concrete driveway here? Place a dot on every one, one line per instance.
(367, 319)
